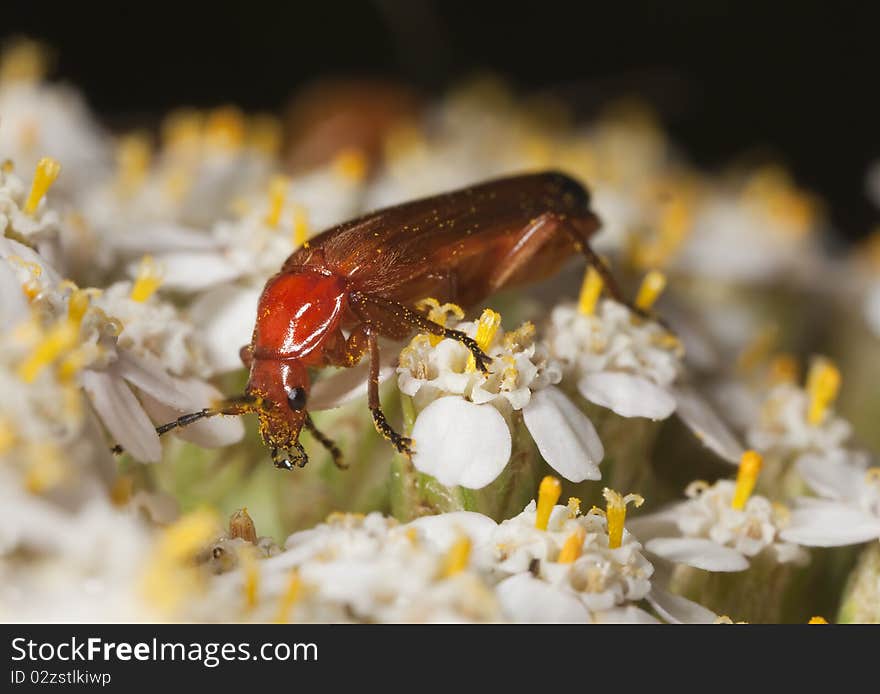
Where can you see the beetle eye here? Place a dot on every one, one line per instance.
(296, 398)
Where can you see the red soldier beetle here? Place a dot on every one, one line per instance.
(365, 277)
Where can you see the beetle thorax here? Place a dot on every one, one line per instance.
(297, 312)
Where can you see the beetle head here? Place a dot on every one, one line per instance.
(280, 387)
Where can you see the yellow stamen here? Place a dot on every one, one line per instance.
(32, 287)
(591, 290)
(487, 328)
(872, 476)
(615, 513)
(251, 572)
(56, 341)
(439, 314)
(574, 507)
(24, 61)
(650, 290)
(823, 384)
(784, 368)
(45, 175)
(7, 435)
(301, 229)
(149, 278)
(457, 557)
(225, 128)
(264, 134)
(548, 494)
(817, 620)
(291, 596)
(133, 155)
(122, 490)
(772, 190)
(277, 195)
(759, 349)
(177, 182)
(520, 338)
(351, 164)
(45, 469)
(573, 546)
(8, 166)
(749, 467)
(172, 574)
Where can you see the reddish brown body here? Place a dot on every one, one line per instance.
(364, 276)
(363, 279)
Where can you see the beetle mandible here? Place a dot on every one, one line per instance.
(365, 276)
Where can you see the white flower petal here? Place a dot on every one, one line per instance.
(444, 529)
(831, 478)
(661, 523)
(225, 317)
(831, 524)
(13, 304)
(210, 433)
(699, 416)
(148, 374)
(565, 437)
(195, 270)
(698, 552)
(461, 443)
(528, 600)
(675, 609)
(164, 238)
(122, 414)
(627, 395)
(345, 386)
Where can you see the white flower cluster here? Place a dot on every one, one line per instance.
(41, 225)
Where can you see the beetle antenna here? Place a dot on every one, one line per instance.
(231, 406)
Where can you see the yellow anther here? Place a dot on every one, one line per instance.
(817, 620)
(650, 290)
(24, 61)
(759, 349)
(823, 384)
(133, 155)
(615, 513)
(172, 574)
(72, 363)
(56, 341)
(7, 435)
(573, 547)
(351, 164)
(591, 290)
(148, 280)
(8, 166)
(45, 175)
(251, 571)
(784, 368)
(45, 469)
(225, 128)
(574, 507)
(749, 468)
(872, 476)
(522, 337)
(487, 328)
(264, 134)
(277, 196)
(182, 129)
(32, 287)
(291, 596)
(78, 304)
(122, 489)
(457, 557)
(548, 494)
(772, 189)
(301, 229)
(439, 313)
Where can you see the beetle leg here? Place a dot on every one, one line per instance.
(401, 443)
(410, 317)
(326, 442)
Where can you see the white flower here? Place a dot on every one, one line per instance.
(147, 349)
(38, 119)
(632, 367)
(463, 427)
(709, 532)
(784, 424)
(37, 226)
(848, 511)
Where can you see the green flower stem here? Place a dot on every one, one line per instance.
(861, 597)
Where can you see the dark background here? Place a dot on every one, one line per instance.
(796, 79)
